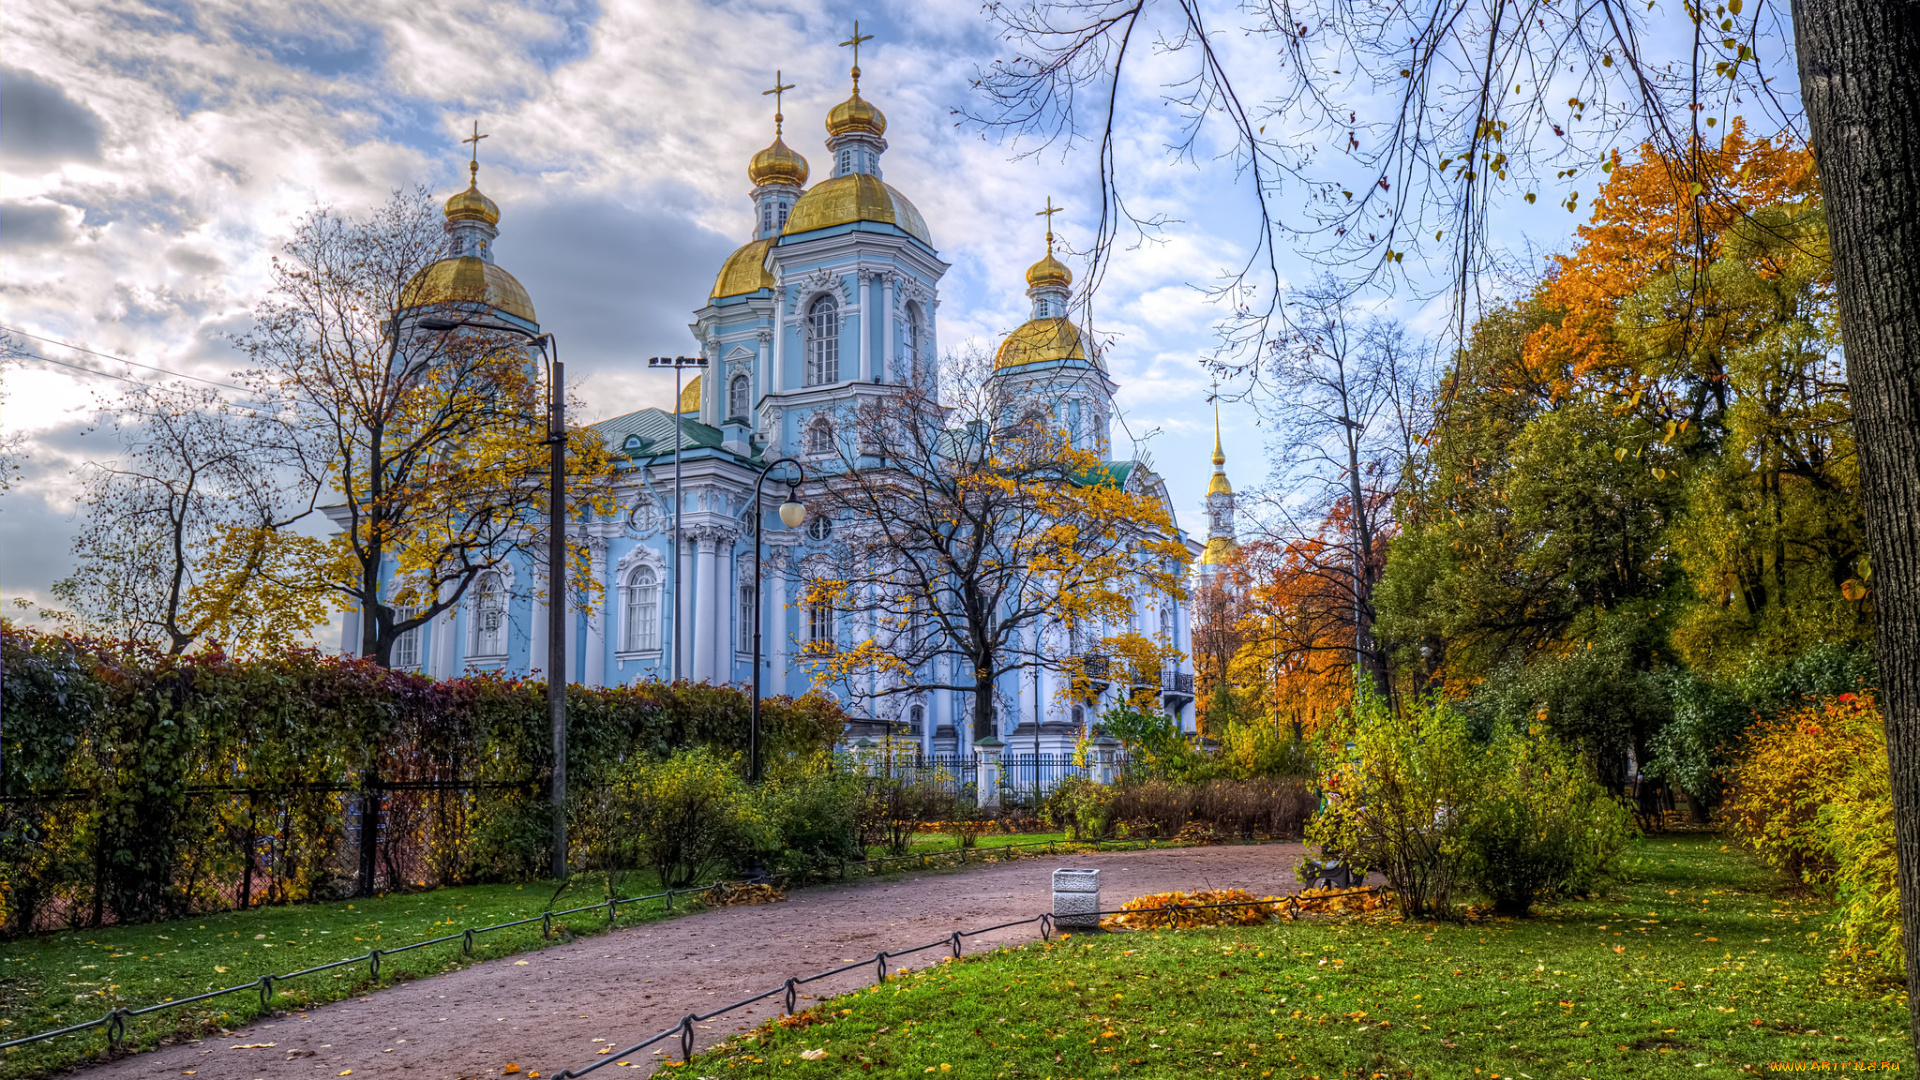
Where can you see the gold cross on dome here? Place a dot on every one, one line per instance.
(855, 41)
(1048, 214)
(779, 89)
(473, 167)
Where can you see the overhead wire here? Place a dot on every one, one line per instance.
(115, 359)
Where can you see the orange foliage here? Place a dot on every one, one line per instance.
(1786, 775)
(1652, 218)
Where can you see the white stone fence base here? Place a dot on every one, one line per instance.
(1076, 898)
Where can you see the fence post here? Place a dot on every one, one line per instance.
(987, 772)
(369, 827)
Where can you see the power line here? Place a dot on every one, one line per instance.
(77, 367)
(116, 359)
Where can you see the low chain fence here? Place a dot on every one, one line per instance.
(114, 1022)
(788, 991)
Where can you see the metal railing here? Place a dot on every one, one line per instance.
(115, 1021)
(955, 941)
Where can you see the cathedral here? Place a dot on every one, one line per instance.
(834, 298)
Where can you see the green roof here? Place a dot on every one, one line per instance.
(654, 431)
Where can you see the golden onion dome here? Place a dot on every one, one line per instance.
(468, 279)
(690, 396)
(1218, 551)
(1219, 485)
(470, 205)
(1038, 341)
(745, 271)
(1049, 272)
(778, 164)
(856, 114)
(855, 197)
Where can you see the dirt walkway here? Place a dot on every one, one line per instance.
(557, 1008)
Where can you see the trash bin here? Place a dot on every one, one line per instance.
(1076, 898)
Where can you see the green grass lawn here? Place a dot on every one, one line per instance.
(1699, 966)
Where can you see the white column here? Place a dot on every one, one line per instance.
(865, 282)
(596, 668)
(777, 371)
(763, 383)
(537, 636)
(706, 586)
(774, 637)
(724, 610)
(886, 308)
(443, 634)
(350, 632)
(683, 638)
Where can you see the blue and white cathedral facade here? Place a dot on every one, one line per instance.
(834, 298)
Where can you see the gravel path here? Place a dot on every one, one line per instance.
(556, 1008)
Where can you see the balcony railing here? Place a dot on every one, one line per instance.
(1177, 683)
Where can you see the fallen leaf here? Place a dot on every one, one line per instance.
(813, 1055)
(250, 1046)
(510, 1069)
(519, 963)
(219, 969)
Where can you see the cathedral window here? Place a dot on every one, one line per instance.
(766, 217)
(1166, 622)
(916, 719)
(488, 615)
(782, 212)
(846, 162)
(822, 624)
(643, 610)
(819, 526)
(406, 647)
(909, 341)
(819, 439)
(749, 615)
(823, 342)
(737, 393)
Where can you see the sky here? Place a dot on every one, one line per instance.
(153, 155)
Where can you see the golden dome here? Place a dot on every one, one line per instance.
(1049, 272)
(778, 165)
(856, 114)
(744, 271)
(468, 279)
(470, 205)
(1038, 341)
(854, 197)
(1218, 551)
(690, 396)
(1219, 485)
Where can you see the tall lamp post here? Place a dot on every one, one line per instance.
(556, 562)
(792, 513)
(678, 364)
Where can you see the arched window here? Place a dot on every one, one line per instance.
(749, 615)
(487, 613)
(909, 343)
(1166, 622)
(916, 719)
(1079, 718)
(823, 342)
(406, 647)
(819, 437)
(822, 625)
(643, 610)
(737, 392)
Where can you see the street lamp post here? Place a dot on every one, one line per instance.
(556, 563)
(678, 364)
(792, 513)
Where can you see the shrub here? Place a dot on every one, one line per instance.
(1540, 825)
(1155, 807)
(1256, 750)
(1253, 808)
(689, 817)
(1081, 807)
(1396, 801)
(1811, 795)
(814, 814)
(1790, 767)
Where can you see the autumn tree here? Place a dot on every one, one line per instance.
(1444, 138)
(434, 441)
(983, 542)
(186, 537)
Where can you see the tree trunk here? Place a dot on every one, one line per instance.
(1860, 81)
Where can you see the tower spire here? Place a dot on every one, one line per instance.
(473, 166)
(855, 41)
(779, 89)
(1219, 455)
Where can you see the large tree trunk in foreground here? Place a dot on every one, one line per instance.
(1860, 80)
